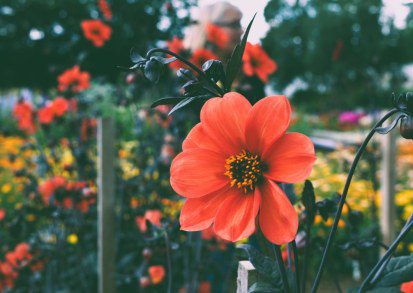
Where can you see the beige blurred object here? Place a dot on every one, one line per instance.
(222, 14)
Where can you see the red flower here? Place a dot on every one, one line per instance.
(153, 216)
(230, 163)
(156, 273)
(257, 62)
(48, 188)
(105, 9)
(200, 56)
(2, 214)
(45, 115)
(96, 31)
(73, 79)
(217, 36)
(407, 287)
(176, 45)
(23, 112)
(60, 106)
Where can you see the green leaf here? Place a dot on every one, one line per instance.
(263, 264)
(308, 199)
(186, 102)
(235, 60)
(399, 270)
(166, 101)
(263, 287)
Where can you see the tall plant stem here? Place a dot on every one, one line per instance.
(381, 265)
(305, 259)
(281, 267)
(168, 260)
(192, 66)
(343, 197)
(293, 250)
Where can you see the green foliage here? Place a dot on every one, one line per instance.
(338, 53)
(399, 270)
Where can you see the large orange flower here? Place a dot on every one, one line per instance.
(230, 164)
(96, 31)
(257, 62)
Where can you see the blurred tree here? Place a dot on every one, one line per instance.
(335, 54)
(39, 39)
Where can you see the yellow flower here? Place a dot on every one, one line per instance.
(18, 206)
(30, 217)
(72, 239)
(6, 188)
(410, 247)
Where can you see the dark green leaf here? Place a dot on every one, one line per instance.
(153, 70)
(263, 264)
(163, 60)
(186, 102)
(398, 270)
(193, 88)
(134, 56)
(308, 199)
(235, 61)
(166, 101)
(186, 73)
(262, 287)
(214, 70)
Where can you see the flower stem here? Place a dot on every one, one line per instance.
(344, 195)
(381, 265)
(168, 260)
(192, 66)
(293, 250)
(281, 267)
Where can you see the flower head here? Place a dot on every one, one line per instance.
(45, 114)
(60, 106)
(153, 216)
(230, 164)
(23, 113)
(257, 62)
(200, 56)
(96, 31)
(176, 45)
(157, 274)
(105, 9)
(217, 36)
(73, 79)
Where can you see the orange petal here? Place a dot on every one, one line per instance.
(267, 121)
(197, 138)
(223, 120)
(290, 159)
(235, 219)
(278, 218)
(198, 172)
(199, 213)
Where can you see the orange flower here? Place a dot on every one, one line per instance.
(48, 188)
(73, 79)
(23, 112)
(257, 62)
(230, 163)
(60, 106)
(407, 287)
(156, 273)
(153, 216)
(45, 115)
(96, 31)
(200, 56)
(217, 36)
(105, 9)
(176, 45)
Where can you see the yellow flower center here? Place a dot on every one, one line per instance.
(244, 170)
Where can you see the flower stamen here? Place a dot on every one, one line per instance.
(244, 170)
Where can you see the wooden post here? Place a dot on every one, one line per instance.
(246, 276)
(388, 181)
(106, 211)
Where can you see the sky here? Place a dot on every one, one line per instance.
(392, 8)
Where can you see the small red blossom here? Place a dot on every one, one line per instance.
(73, 79)
(257, 62)
(45, 115)
(105, 9)
(2, 214)
(153, 216)
(23, 113)
(337, 50)
(407, 287)
(217, 36)
(176, 45)
(157, 274)
(200, 56)
(230, 166)
(60, 106)
(96, 31)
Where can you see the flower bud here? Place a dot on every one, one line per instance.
(144, 282)
(406, 127)
(147, 253)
